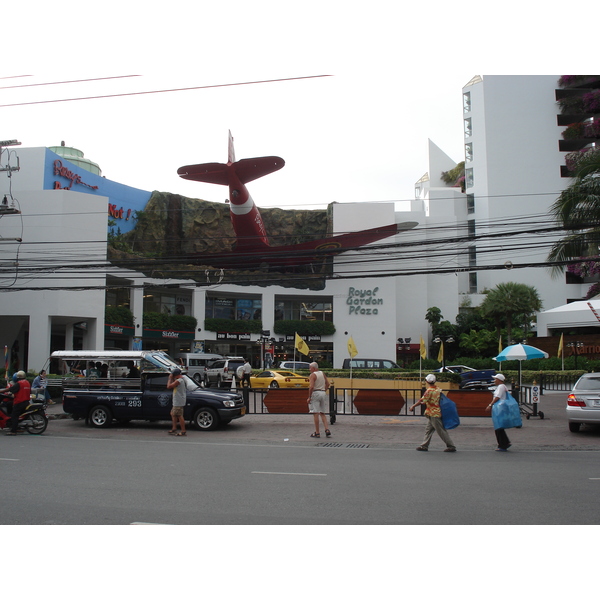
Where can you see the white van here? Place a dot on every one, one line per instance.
(195, 363)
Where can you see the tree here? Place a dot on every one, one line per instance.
(577, 209)
(433, 316)
(511, 303)
(479, 342)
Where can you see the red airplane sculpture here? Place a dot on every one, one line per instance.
(252, 244)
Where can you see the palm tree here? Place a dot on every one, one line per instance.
(577, 209)
(510, 301)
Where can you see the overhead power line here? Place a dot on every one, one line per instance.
(186, 89)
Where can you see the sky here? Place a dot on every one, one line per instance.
(377, 82)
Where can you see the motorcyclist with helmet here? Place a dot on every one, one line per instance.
(21, 395)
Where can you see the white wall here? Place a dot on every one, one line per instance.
(58, 227)
(516, 165)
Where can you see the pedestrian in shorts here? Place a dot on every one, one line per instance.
(177, 384)
(318, 400)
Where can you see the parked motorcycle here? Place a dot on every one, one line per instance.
(33, 420)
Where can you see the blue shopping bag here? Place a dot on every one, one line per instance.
(450, 417)
(506, 413)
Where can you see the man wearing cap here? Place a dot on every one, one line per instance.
(433, 413)
(177, 384)
(501, 393)
(21, 393)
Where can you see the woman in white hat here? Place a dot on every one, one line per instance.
(501, 393)
(433, 413)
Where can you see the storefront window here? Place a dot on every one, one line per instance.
(170, 304)
(243, 309)
(296, 309)
(117, 297)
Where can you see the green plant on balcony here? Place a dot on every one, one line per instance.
(118, 315)
(156, 320)
(571, 105)
(453, 176)
(233, 325)
(573, 132)
(303, 327)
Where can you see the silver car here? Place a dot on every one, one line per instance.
(583, 403)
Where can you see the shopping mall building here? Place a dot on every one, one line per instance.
(58, 286)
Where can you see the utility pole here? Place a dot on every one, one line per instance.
(5, 208)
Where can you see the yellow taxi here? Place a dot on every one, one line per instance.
(279, 379)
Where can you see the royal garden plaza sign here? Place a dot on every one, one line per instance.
(363, 302)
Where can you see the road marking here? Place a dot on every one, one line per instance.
(14, 459)
(277, 473)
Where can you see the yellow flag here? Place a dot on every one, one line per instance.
(301, 345)
(352, 351)
(440, 357)
(560, 345)
(499, 344)
(423, 349)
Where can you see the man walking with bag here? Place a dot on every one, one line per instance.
(501, 393)
(433, 414)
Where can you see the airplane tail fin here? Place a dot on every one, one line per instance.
(230, 150)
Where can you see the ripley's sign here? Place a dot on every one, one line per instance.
(74, 178)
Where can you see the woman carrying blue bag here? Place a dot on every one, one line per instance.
(505, 413)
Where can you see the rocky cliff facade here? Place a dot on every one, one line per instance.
(172, 229)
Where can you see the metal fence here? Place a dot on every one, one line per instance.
(559, 382)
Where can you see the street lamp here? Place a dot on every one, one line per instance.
(438, 340)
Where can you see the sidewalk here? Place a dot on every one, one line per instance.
(549, 433)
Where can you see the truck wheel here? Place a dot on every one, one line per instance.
(206, 419)
(100, 416)
(197, 378)
(219, 382)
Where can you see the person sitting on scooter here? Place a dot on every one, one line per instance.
(21, 393)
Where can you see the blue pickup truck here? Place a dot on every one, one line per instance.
(471, 379)
(135, 388)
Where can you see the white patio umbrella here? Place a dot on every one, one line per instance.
(520, 352)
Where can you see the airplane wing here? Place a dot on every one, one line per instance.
(300, 254)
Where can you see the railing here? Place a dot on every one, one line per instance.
(353, 401)
(557, 382)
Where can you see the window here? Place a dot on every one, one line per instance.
(472, 283)
(298, 309)
(241, 309)
(469, 182)
(471, 228)
(470, 204)
(117, 297)
(170, 304)
(472, 256)
(469, 152)
(468, 128)
(467, 102)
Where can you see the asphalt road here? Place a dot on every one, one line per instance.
(266, 470)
